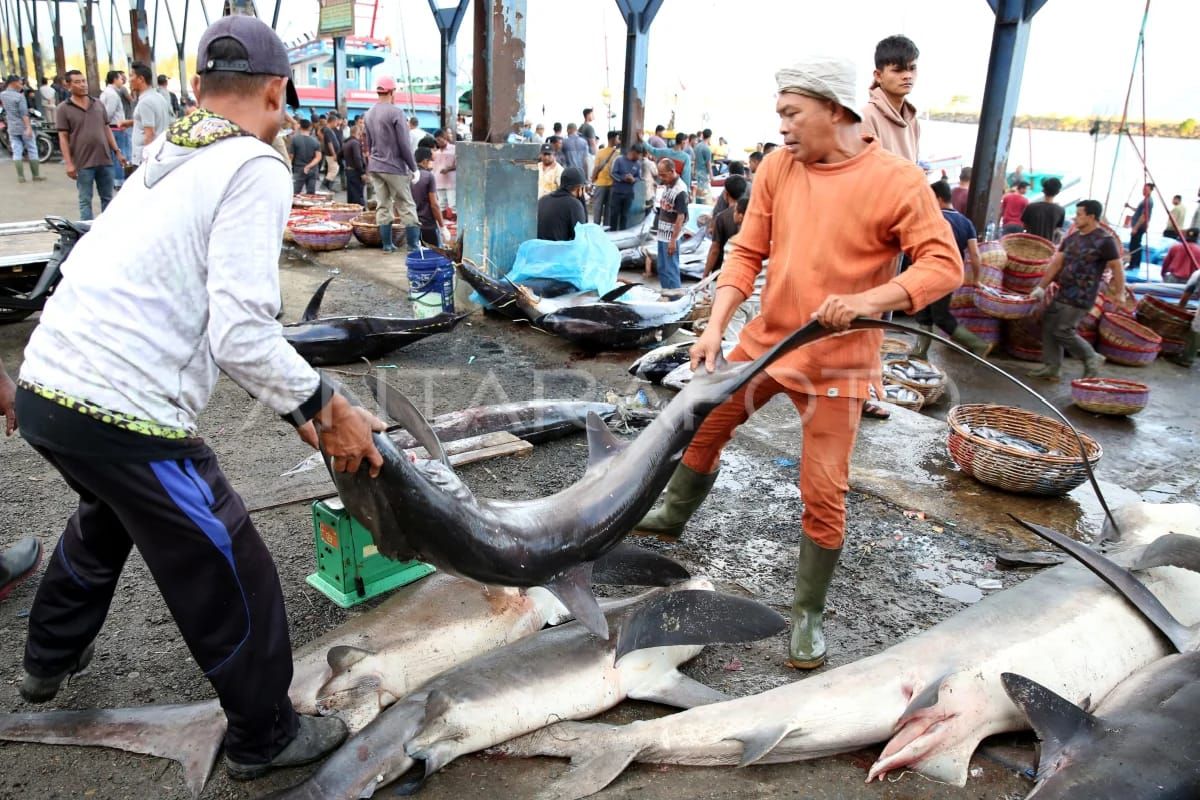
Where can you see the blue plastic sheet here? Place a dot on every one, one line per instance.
(590, 262)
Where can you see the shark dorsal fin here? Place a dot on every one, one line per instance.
(1053, 718)
(397, 406)
(602, 444)
(314, 305)
(1124, 581)
(615, 294)
(1172, 550)
(341, 657)
(574, 588)
(697, 616)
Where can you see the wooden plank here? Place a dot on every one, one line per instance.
(460, 452)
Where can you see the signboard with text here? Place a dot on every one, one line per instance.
(336, 18)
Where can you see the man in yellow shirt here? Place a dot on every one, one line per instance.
(602, 179)
(549, 172)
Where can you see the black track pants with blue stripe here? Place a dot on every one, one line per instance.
(211, 566)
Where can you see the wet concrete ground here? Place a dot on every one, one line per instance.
(888, 587)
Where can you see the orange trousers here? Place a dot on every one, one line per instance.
(830, 428)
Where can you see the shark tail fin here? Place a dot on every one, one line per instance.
(1054, 719)
(1124, 581)
(574, 588)
(190, 734)
(694, 616)
(314, 305)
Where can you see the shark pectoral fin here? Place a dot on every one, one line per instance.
(397, 406)
(602, 444)
(950, 764)
(676, 689)
(314, 305)
(190, 734)
(1123, 581)
(630, 565)
(759, 742)
(695, 616)
(574, 588)
(611, 297)
(590, 773)
(1172, 550)
(1054, 719)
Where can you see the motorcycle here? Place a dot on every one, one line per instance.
(27, 280)
(44, 136)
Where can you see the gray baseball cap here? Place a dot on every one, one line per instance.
(265, 53)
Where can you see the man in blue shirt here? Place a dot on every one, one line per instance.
(20, 129)
(626, 173)
(575, 149)
(938, 312)
(1139, 225)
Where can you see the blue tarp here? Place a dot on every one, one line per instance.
(590, 262)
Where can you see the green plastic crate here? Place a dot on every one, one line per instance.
(349, 566)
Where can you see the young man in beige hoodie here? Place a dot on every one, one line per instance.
(888, 116)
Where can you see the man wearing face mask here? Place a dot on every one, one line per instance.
(830, 211)
(125, 357)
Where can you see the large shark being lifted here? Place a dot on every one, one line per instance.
(342, 340)
(1142, 742)
(934, 696)
(559, 673)
(422, 509)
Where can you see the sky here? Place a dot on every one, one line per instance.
(712, 62)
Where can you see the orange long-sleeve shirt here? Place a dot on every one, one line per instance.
(836, 229)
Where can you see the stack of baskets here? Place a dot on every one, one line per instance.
(1124, 341)
(997, 463)
(342, 212)
(1028, 256)
(1110, 396)
(1000, 304)
(366, 231)
(322, 236)
(1169, 321)
(903, 372)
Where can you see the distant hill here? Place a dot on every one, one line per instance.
(1187, 129)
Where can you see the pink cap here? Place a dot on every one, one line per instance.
(385, 83)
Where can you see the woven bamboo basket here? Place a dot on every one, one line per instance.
(1011, 468)
(1126, 305)
(895, 347)
(990, 275)
(343, 212)
(1005, 305)
(1167, 320)
(300, 217)
(931, 392)
(985, 328)
(323, 236)
(963, 297)
(1089, 335)
(993, 254)
(901, 395)
(1023, 338)
(311, 200)
(366, 231)
(1023, 352)
(1021, 282)
(1026, 252)
(1172, 347)
(1123, 332)
(1127, 356)
(1110, 396)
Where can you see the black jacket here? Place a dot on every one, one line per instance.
(557, 214)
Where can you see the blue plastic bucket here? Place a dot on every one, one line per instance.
(430, 283)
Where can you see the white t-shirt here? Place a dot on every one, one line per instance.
(151, 112)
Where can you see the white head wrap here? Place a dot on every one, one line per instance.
(829, 77)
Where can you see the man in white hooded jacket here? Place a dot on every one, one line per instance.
(124, 359)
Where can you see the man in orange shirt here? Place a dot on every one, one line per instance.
(830, 211)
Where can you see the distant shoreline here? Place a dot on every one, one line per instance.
(1187, 129)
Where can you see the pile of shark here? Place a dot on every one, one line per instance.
(1101, 659)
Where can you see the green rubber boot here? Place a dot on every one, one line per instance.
(682, 497)
(968, 339)
(34, 170)
(1188, 356)
(813, 573)
(20, 171)
(922, 349)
